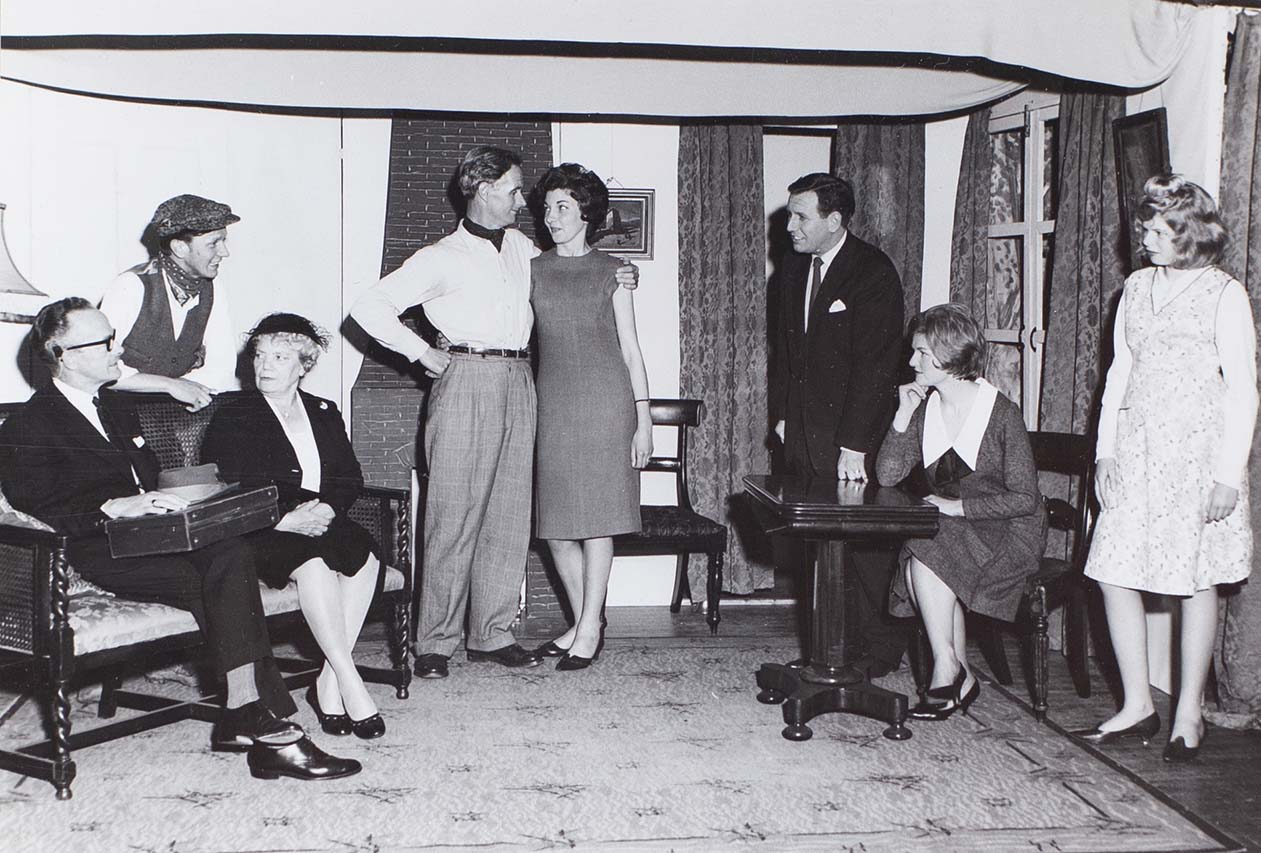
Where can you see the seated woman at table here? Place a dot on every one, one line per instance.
(972, 443)
(278, 434)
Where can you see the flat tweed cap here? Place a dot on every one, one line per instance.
(190, 213)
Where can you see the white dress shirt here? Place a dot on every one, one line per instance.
(302, 438)
(122, 302)
(474, 295)
(827, 258)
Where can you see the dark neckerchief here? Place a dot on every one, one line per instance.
(184, 285)
(494, 235)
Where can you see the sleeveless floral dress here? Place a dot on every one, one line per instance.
(1169, 427)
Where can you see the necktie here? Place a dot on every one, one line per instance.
(120, 443)
(816, 279)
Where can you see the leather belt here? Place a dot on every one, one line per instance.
(498, 353)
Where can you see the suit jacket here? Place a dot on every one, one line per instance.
(250, 447)
(838, 376)
(57, 467)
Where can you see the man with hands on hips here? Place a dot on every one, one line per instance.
(474, 285)
(838, 342)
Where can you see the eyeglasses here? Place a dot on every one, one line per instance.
(108, 343)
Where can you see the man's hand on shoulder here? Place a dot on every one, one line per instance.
(628, 275)
(145, 503)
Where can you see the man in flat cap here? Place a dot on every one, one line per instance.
(173, 322)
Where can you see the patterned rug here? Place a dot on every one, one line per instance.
(650, 749)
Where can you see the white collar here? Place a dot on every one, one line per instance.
(830, 255)
(968, 442)
(82, 401)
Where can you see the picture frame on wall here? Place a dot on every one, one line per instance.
(1142, 150)
(627, 229)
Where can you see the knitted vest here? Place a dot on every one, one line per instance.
(151, 346)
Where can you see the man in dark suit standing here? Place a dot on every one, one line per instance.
(838, 345)
(72, 462)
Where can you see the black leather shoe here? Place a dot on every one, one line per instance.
(878, 668)
(431, 666)
(1177, 751)
(239, 729)
(300, 760)
(369, 728)
(925, 710)
(512, 655)
(551, 650)
(569, 663)
(953, 690)
(943, 711)
(330, 724)
(1145, 729)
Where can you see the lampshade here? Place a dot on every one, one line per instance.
(15, 290)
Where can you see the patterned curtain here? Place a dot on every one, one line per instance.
(969, 243)
(1238, 659)
(885, 163)
(1089, 265)
(1088, 271)
(985, 273)
(723, 335)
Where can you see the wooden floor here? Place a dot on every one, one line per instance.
(1223, 787)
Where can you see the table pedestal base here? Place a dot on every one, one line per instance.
(804, 700)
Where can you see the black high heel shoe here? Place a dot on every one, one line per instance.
(938, 712)
(1145, 729)
(949, 691)
(368, 728)
(570, 662)
(1177, 751)
(330, 724)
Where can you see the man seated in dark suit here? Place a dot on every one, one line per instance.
(72, 463)
(837, 350)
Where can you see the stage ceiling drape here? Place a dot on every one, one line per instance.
(808, 59)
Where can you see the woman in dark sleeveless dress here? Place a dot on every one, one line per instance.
(594, 430)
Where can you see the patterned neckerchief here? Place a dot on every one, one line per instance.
(184, 285)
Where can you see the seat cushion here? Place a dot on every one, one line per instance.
(673, 522)
(101, 622)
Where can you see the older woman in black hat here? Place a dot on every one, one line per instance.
(279, 434)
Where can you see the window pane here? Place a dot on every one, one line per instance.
(1003, 312)
(1050, 164)
(1007, 177)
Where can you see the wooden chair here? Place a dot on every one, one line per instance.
(679, 529)
(1057, 583)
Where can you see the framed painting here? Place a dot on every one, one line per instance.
(1142, 150)
(627, 228)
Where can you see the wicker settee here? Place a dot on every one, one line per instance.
(57, 631)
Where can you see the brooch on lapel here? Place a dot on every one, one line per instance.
(323, 406)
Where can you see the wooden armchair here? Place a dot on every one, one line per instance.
(55, 636)
(679, 529)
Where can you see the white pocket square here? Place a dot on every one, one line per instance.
(836, 307)
(138, 440)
